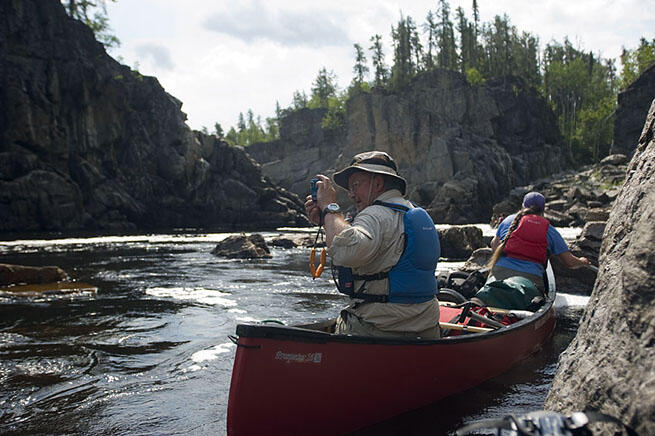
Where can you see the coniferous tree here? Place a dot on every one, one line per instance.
(299, 100)
(377, 58)
(241, 123)
(466, 41)
(476, 33)
(324, 87)
(447, 57)
(403, 69)
(416, 48)
(218, 129)
(430, 28)
(360, 69)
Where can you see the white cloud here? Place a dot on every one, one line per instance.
(159, 54)
(226, 57)
(256, 21)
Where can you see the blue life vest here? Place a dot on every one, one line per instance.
(412, 279)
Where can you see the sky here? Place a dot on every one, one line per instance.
(223, 57)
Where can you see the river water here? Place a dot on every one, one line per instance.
(149, 352)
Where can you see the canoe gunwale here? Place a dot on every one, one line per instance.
(290, 333)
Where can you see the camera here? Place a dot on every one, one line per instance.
(314, 188)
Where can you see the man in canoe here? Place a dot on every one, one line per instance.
(387, 256)
(524, 241)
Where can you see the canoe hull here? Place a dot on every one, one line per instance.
(291, 381)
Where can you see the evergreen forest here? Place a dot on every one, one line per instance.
(580, 86)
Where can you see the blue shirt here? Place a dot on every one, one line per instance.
(556, 245)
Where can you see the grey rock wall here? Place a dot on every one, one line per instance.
(632, 107)
(87, 143)
(610, 364)
(461, 148)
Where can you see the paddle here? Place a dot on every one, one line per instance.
(465, 328)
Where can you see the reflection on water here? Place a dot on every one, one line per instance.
(149, 353)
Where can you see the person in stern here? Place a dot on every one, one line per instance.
(524, 241)
(387, 255)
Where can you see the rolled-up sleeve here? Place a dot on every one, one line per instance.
(358, 244)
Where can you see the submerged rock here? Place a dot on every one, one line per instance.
(30, 275)
(610, 364)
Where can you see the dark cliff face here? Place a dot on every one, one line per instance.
(632, 108)
(461, 148)
(87, 143)
(610, 364)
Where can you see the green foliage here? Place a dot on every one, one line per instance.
(218, 130)
(360, 69)
(323, 88)
(335, 118)
(581, 89)
(636, 61)
(447, 57)
(380, 69)
(94, 15)
(249, 130)
(404, 66)
(474, 78)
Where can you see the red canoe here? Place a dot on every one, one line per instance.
(300, 380)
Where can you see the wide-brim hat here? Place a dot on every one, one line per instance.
(377, 162)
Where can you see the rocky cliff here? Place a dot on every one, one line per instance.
(632, 108)
(461, 147)
(610, 364)
(87, 143)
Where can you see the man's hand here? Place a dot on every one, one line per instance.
(312, 210)
(325, 195)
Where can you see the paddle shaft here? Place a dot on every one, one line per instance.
(466, 328)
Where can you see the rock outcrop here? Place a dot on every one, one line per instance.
(461, 147)
(632, 108)
(87, 143)
(574, 198)
(587, 244)
(243, 247)
(610, 364)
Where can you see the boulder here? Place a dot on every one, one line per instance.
(460, 242)
(478, 260)
(610, 364)
(30, 275)
(243, 247)
(296, 240)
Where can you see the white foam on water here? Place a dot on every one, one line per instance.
(247, 319)
(212, 353)
(201, 295)
(569, 300)
(233, 310)
(154, 239)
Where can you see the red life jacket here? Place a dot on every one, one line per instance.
(528, 241)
